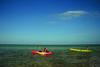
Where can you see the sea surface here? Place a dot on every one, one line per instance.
(21, 56)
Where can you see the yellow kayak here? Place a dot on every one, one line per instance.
(80, 50)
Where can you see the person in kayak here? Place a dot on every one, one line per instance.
(45, 50)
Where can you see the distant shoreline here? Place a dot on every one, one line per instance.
(50, 45)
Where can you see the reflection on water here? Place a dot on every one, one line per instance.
(20, 56)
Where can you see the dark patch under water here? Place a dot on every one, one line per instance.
(21, 56)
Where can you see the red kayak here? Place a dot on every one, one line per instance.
(34, 52)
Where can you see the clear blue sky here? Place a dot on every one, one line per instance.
(49, 21)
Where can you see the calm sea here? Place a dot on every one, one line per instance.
(20, 56)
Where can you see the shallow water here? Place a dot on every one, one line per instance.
(21, 56)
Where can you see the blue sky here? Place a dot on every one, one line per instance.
(49, 22)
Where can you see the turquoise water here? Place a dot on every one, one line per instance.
(21, 56)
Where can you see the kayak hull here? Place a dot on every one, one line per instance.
(80, 50)
(34, 52)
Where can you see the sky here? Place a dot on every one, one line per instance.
(49, 22)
